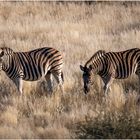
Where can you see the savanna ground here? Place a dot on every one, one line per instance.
(78, 30)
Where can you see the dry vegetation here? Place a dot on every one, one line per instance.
(78, 31)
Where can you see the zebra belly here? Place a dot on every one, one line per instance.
(125, 72)
(29, 76)
(33, 72)
(32, 79)
(122, 74)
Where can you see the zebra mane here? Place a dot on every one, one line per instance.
(7, 51)
(96, 56)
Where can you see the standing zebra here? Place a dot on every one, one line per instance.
(32, 65)
(110, 66)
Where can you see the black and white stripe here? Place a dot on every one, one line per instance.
(32, 65)
(110, 66)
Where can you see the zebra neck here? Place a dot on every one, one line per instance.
(88, 63)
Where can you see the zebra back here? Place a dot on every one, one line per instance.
(31, 65)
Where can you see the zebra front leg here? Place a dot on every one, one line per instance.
(60, 80)
(105, 88)
(19, 83)
(138, 74)
(48, 78)
(107, 82)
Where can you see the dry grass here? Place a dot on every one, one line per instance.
(78, 31)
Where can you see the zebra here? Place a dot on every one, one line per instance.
(32, 66)
(110, 66)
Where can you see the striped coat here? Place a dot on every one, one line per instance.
(32, 65)
(110, 66)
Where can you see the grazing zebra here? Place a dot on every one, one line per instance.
(110, 66)
(32, 65)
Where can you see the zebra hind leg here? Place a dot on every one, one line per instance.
(19, 83)
(60, 80)
(49, 81)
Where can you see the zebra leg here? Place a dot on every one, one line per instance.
(105, 88)
(107, 82)
(138, 74)
(60, 79)
(19, 83)
(138, 99)
(48, 78)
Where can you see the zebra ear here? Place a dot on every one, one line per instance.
(81, 67)
(2, 54)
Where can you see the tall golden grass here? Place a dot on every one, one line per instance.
(78, 31)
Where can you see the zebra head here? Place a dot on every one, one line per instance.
(86, 77)
(5, 54)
